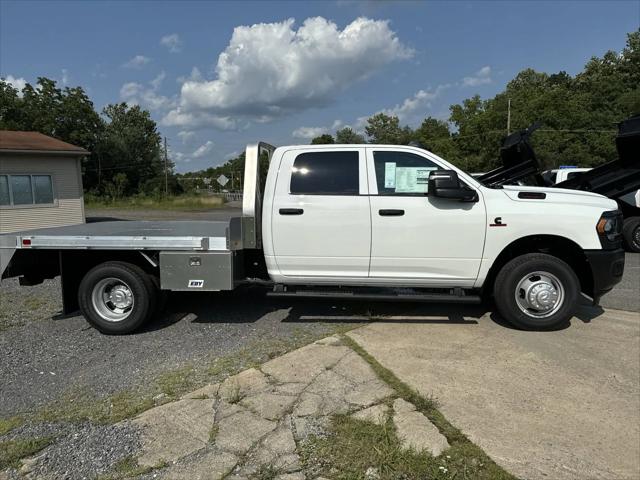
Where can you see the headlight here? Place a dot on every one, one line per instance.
(609, 229)
(606, 226)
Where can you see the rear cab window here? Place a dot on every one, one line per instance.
(326, 173)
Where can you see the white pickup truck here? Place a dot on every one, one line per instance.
(350, 221)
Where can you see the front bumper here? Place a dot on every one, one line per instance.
(607, 267)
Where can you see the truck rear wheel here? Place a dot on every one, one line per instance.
(537, 291)
(116, 297)
(631, 234)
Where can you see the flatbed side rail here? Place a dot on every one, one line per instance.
(121, 242)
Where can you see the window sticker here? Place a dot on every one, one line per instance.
(389, 174)
(412, 179)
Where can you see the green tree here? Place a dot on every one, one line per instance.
(130, 143)
(384, 129)
(325, 138)
(435, 136)
(11, 110)
(347, 135)
(117, 186)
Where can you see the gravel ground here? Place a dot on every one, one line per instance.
(80, 451)
(44, 359)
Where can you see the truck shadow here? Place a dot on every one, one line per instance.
(249, 305)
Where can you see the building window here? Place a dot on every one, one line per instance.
(325, 173)
(5, 198)
(22, 189)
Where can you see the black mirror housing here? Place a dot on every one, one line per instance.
(446, 184)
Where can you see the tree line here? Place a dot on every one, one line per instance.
(126, 148)
(578, 116)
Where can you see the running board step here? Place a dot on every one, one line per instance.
(450, 295)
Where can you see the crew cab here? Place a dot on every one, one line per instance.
(367, 221)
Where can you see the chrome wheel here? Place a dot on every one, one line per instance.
(112, 299)
(539, 294)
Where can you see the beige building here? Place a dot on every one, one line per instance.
(40, 182)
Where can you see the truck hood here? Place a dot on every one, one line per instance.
(561, 196)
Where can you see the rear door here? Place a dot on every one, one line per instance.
(320, 219)
(418, 239)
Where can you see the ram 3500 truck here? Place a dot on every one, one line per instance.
(350, 221)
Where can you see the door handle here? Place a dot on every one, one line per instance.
(291, 211)
(391, 212)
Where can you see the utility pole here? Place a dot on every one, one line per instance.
(166, 169)
(509, 118)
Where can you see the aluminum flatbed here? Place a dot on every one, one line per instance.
(128, 235)
(120, 235)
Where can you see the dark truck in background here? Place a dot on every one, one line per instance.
(614, 179)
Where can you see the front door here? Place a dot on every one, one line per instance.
(418, 239)
(321, 225)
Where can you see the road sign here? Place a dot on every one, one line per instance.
(222, 180)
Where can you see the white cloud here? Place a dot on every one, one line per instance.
(410, 109)
(417, 103)
(138, 94)
(138, 61)
(308, 133)
(65, 76)
(156, 82)
(195, 76)
(16, 82)
(172, 42)
(272, 69)
(203, 149)
(481, 77)
(186, 136)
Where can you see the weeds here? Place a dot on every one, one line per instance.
(8, 424)
(11, 451)
(128, 468)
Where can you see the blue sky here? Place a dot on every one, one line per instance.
(215, 79)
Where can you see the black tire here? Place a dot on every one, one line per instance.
(631, 234)
(136, 282)
(160, 301)
(509, 278)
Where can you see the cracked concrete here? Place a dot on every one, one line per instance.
(254, 420)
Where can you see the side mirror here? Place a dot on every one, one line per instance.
(446, 184)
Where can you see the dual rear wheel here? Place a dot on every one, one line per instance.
(118, 297)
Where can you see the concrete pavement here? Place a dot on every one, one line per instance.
(561, 405)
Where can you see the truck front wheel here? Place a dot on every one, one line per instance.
(631, 234)
(537, 291)
(116, 297)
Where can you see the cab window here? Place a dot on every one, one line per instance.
(402, 173)
(325, 173)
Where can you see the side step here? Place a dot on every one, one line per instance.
(432, 295)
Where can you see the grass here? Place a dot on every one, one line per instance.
(128, 468)
(181, 202)
(353, 448)
(463, 460)
(178, 381)
(266, 472)
(213, 433)
(11, 451)
(8, 424)
(235, 395)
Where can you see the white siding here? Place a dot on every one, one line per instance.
(68, 208)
